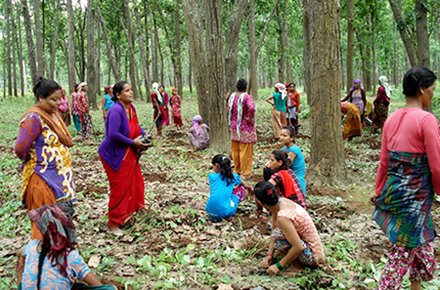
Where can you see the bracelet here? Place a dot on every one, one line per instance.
(269, 255)
(279, 266)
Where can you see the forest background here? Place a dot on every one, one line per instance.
(205, 46)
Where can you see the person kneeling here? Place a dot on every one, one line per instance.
(294, 234)
(54, 263)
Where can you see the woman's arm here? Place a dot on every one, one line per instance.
(292, 237)
(364, 99)
(268, 100)
(348, 96)
(91, 280)
(30, 129)
(103, 107)
(114, 125)
(381, 176)
(292, 155)
(431, 141)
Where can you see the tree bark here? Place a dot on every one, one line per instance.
(178, 52)
(395, 59)
(350, 44)
(20, 53)
(111, 59)
(9, 17)
(327, 161)
(147, 52)
(54, 45)
(98, 63)
(231, 50)
(253, 88)
(142, 50)
(307, 47)
(404, 33)
(216, 71)
(14, 50)
(40, 41)
(373, 40)
(422, 33)
(155, 65)
(194, 27)
(30, 42)
(91, 73)
(70, 47)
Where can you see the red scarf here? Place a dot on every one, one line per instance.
(287, 182)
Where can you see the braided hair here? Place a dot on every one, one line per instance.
(45, 248)
(225, 168)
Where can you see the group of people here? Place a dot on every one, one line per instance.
(357, 108)
(410, 151)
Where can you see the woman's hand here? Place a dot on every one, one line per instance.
(372, 198)
(273, 270)
(266, 262)
(268, 164)
(139, 145)
(249, 119)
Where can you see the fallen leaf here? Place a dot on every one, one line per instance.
(94, 261)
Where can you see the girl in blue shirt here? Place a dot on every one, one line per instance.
(226, 189)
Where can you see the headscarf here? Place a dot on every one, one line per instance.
(282, 89)
(156, 90)
(81, 85)
(195, 124)
(384, 82)
(55, 223)
(174, 90)
(356, 81)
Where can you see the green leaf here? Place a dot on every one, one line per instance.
(225, 279)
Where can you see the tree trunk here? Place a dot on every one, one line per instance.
(40, 41)
(178, 52)
(194, 27)
(327, 161)
(216, 71)
(306, 49)
(283, 45)
(54, 45)
(190, 65)
(253, 81)
(91, 73)
(395, 59)
(14, 50)
(71, 47)
(98, 63)
(30, 42)
(142, 50)
(350, 44)
(129, 35)
(111, 59)
(373, 40)
(422, 33)
(155, 53)
(147, 52)
(9, 17)
(20, 53)
(404, 33)
(231, 46)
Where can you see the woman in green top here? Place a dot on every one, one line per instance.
(279, 105)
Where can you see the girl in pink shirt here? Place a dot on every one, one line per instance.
(408, 176)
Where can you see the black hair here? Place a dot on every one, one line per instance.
(291, 130)
(290, 84)
(225, 168)
(45, 248)
(417, 78)
(161, 86)
(117, 89)
(282, 155)
(241, 85)
(266, 193)
(45, 88)
(107, 89)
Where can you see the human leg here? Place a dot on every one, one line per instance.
(235, 152)
(246, 156)
(398, 263)
(76, 122)
(423, 265)
(37, 194)
(276, 123)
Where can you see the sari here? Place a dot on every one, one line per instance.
(352, 122)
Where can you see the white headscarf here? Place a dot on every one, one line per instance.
(156, 90)
(282, 89)
(384, 82)
(80, 86)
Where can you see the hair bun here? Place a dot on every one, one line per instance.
(39, 81)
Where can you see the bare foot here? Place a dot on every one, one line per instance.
(115, 230)
(296, 267)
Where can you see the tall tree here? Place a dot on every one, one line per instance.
(307, 47)
(216, 71)
(327, 161)
(9, 17)
(253, 81)
(40, 42)
(350, 43)
(70, 47)
(111, 59)
(178, 49)
(91, 73)
(54, 45)
(422, 33)
(194, 27)
(20, 52)
(142, 50)
(29, 40)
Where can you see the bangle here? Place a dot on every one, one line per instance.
(269, 255)
(279, 266)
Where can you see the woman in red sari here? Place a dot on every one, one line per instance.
(119, 155)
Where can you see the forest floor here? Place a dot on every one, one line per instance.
(173, 244)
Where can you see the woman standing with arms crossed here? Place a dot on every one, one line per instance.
(119, 154)
(408, 176)
(42, 136)
(241, 119)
